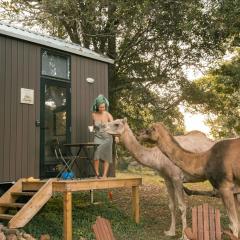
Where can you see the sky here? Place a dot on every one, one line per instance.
(194, 121)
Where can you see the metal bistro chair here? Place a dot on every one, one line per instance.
(67, 161)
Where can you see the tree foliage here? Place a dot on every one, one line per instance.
(218, 95)
(150, 41)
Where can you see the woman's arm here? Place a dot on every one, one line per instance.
(110, 118)
(93, 118)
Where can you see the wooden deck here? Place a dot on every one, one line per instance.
(67, 187)
(83, 184)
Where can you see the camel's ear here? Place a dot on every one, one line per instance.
(125, 120)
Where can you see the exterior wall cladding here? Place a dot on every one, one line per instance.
(20, 63)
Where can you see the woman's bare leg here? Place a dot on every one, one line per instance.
(105, 168)
(96, 167)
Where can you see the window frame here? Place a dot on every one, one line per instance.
(57, 53)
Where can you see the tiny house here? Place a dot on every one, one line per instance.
(47, 86)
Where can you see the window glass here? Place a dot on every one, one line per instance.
(55, 65)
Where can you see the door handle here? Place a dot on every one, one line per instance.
(37, 123)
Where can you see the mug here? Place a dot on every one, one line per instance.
(90, 128)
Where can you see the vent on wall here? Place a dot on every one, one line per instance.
(90, 80)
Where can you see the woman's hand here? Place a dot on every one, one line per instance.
(116, 139)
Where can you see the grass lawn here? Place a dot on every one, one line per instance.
(155, 215)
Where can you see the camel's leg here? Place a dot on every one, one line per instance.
(237, 205)
(182, 205)
(228, 201)
(172, 207)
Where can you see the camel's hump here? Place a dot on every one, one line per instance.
(195, 132)
(195, 141)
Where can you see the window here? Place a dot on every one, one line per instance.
(55, 65)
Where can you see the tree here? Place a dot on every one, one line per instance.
(218, 95)
(150, 41)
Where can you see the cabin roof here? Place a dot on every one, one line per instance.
(53, 42)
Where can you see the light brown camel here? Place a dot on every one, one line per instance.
(154, 158)
(220, 165)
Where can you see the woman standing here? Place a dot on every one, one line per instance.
(100, 116)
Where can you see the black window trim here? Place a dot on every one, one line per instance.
(58, 53)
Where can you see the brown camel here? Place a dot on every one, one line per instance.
(154, 158)
(220, 165)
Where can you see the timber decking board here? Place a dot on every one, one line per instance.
(98, 184)
(6, 216)
(23, 193)
(85, 184)
(12, 205)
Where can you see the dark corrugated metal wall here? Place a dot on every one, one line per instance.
(19, 138)
(83, 94)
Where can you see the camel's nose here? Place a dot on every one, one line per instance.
(148, 131)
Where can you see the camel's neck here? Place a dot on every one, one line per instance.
(192, 163)
(140, 153)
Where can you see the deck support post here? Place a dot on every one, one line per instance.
(135, 203)
(67, 212)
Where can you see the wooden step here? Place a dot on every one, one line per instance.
(23, 193)
(7, 197)
(26, 213)
(32, 186)
(6, 216)
(12, 205)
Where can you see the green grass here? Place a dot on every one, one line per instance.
(50, 219)
(155, 215)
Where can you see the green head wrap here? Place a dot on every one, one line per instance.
(99, 100)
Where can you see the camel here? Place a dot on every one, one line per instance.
(155, 159)
(220, 165)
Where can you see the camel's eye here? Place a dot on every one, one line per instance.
(116, 124)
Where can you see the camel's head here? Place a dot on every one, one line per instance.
(116, 127)
(155, 132)
(142, 136)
